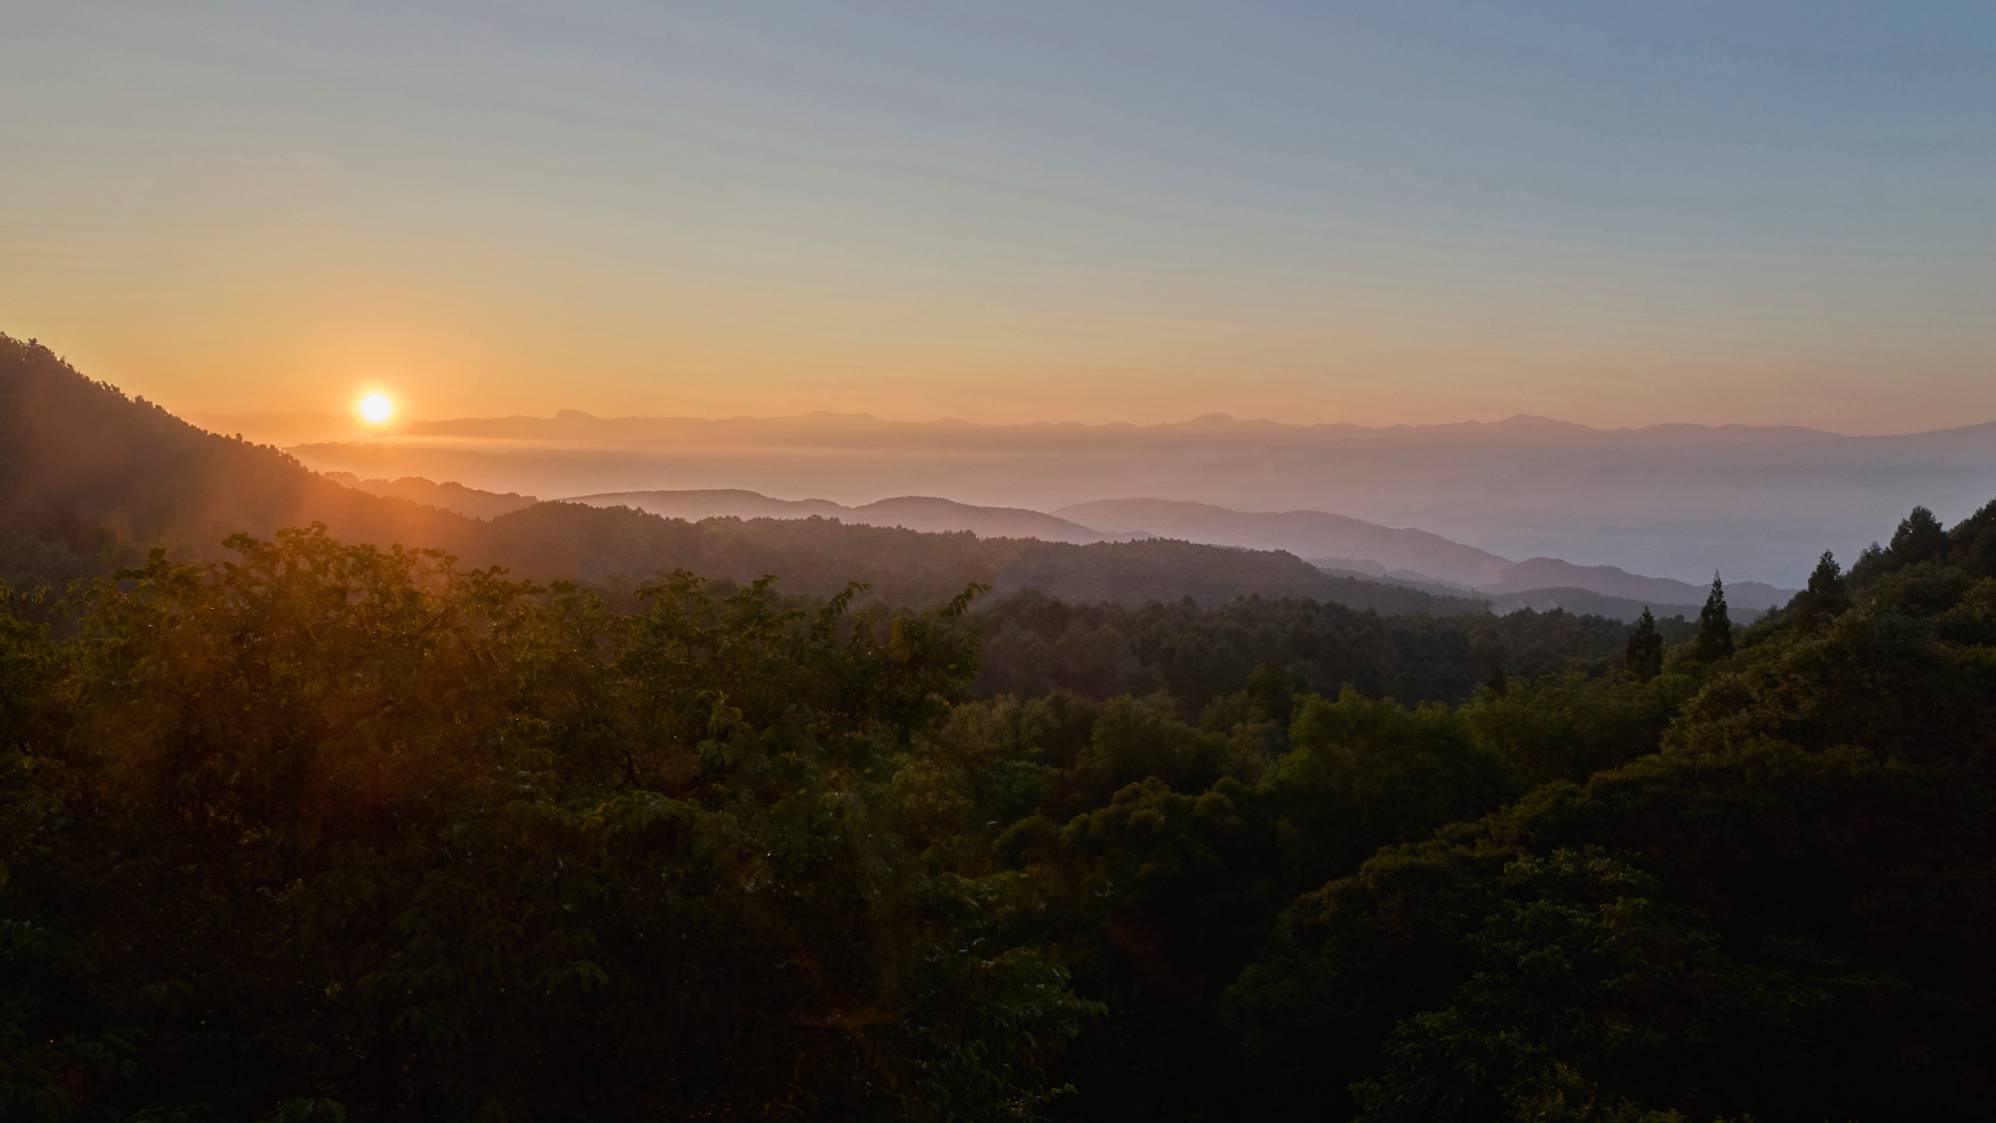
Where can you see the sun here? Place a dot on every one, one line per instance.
(376, 408)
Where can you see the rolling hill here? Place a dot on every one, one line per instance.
(911, 512)
(443, 496)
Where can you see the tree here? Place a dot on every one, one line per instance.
(1828, 594)
(1715, 628)
(1920, 537)
(1644, 655)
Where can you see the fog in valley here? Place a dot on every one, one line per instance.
(1670, 500)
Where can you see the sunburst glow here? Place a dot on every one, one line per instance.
(376, 409)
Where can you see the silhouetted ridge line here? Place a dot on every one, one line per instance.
(106, 474)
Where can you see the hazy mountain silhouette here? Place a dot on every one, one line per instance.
(816, 554)
(1338, 542)
(1674, 500)
(106, 476)
(1349, 547)
(1335, 541)
(1543, 574)
(912, 512)
(446, 496)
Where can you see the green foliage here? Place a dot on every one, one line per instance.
(328, 831)
(1364, 772)
(1135, 739)
(1570, 726)
(1035, 645)
(1579, 968)
(30, 562)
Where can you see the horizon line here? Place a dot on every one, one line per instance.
(1214, 419)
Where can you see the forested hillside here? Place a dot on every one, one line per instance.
(83, 465)
(336, 832)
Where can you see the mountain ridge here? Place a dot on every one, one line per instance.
(110, 476)
(1410, 557)
(1323, 535)
(929, 514)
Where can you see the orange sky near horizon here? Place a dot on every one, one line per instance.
(492, 368)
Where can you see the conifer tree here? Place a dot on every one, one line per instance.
(1828, 593)
(1715, 628)
(1644, 655)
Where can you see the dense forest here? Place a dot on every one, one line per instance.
(328, 831)
(1034, 644)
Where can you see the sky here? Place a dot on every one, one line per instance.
(1377, 213)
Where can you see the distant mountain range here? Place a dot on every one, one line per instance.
(1340, 545)
(105, 476)
(1677, 501)
(1337, 541)
(1334, 541)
